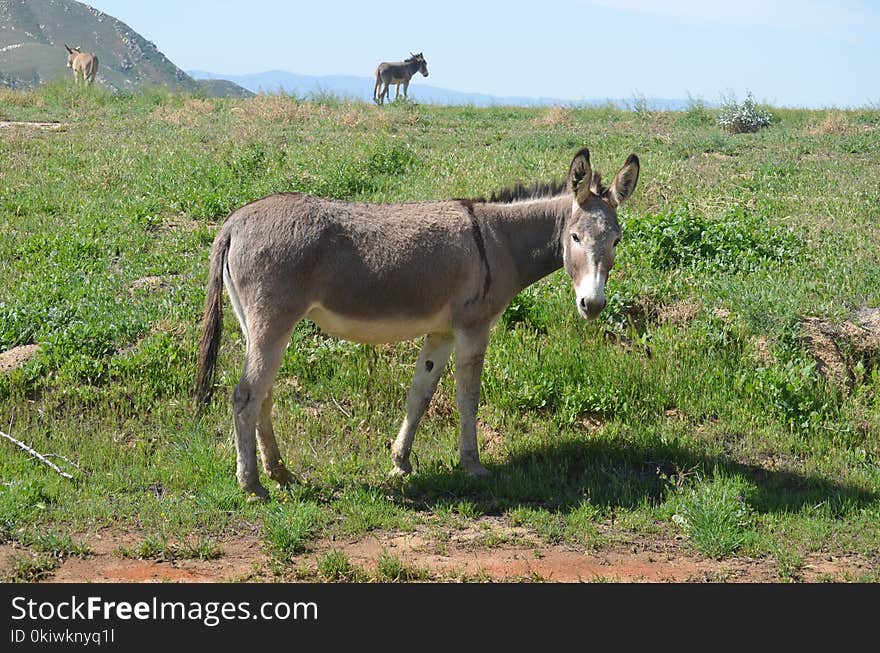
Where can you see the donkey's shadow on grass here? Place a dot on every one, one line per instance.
(563, 476)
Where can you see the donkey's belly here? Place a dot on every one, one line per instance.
(379, 329)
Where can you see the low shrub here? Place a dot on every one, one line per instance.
(745, 117)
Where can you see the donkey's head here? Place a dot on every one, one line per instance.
(420, 59)
(71, 54)
(592, 232)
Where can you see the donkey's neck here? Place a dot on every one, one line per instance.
(533, 230)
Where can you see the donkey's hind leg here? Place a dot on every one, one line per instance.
(273, 464)
(263, 359)
(432, 360)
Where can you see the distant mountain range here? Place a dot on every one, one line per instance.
(361, 88)
(33, 34)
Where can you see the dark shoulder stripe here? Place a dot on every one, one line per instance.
(481, 248)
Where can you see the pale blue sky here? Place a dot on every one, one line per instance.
(811, 53)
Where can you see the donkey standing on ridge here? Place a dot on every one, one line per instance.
(379, 273)
(84, 64)
(397, 73)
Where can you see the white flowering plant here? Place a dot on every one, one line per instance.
(742, 118)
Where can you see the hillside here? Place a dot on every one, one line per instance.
(33, 34)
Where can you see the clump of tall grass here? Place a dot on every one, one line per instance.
(715, 514)
(835, 123)
(696, 115)
(26, 98)
(554, 117)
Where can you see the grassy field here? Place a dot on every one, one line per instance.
(725, 405)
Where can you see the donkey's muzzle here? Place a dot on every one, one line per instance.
(590, 308)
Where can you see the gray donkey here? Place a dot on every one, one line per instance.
(397, 73)
(379, 273)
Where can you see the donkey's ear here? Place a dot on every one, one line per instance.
(68, 48)
(580, 174)
(625, 182)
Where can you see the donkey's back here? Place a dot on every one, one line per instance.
(365, 272)
(393, 71)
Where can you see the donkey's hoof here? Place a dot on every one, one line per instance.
(402, 466)
(475, 470)
(256, 494)
(282, 476)
(400, 470)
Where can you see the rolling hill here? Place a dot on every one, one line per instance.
(33, 34)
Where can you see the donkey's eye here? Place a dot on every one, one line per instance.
(616, 240)
(575, 238)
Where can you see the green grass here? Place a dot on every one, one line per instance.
(158, 547)
(335, 566)
(716, 516)
(390, 569)
(29, 568)
(635, 424)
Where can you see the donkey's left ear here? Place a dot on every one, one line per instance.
(625, 182)
(580, 176)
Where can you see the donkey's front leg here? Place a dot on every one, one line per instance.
(429, 368)
(470, 351)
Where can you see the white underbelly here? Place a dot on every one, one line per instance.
(379, 330)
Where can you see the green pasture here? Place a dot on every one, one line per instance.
(697, 407)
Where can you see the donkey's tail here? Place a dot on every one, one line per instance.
(212, 322)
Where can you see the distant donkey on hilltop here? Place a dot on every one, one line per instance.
(84, 64)
(397, 73)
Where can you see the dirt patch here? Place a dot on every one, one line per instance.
(492, 440)
(520, 555)
(30, 125)
(241, 559)
(846, 351)
(517, 553)
(762, 349)
(152, 282)
(13, 358)
(486, 549)
(680, 312)
(7, 553)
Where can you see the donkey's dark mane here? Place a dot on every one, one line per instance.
(532, 191)
(537, 190)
